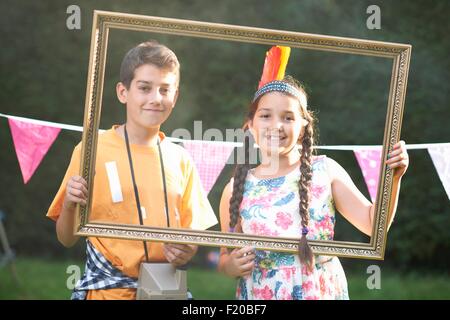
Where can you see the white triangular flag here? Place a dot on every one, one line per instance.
(441, 160)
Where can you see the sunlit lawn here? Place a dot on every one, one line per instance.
(39, 279)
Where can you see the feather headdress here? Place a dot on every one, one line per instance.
(273, 72)
(275, 64)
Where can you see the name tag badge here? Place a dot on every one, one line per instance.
(114, 181)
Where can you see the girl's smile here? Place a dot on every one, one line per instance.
(274, 138)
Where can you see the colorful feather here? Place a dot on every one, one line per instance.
(275, 64)
(285, 53)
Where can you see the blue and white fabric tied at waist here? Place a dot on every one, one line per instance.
(100, 274)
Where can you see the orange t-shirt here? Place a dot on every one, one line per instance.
(113, 197)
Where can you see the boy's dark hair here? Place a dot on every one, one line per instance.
(149, 52)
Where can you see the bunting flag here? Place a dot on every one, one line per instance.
(369, 161)
(31, 142)
(32, 139)
(441, 160)
(209, 158)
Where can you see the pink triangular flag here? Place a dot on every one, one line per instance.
(209, 158)
(369, 162)
(31, 142)
(441, 160)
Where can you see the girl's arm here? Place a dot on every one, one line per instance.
(352, 204)
(239, 262)
(399, 161)
(349, 201)
(224, 223)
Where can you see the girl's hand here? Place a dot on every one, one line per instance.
(241, 262)
(398, 159)
(76, 192)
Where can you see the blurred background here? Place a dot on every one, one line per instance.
(43, 75)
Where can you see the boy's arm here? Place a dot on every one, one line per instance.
(63, 207)
(76, 193)
(65, 227)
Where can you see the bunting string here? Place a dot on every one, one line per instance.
(32, 139)
(231, 143)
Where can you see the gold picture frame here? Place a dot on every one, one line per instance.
(104, 21)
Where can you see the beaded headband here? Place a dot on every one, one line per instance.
(281, 86)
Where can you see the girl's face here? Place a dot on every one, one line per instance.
(277, 125)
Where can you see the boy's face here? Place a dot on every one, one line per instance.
(151, 97)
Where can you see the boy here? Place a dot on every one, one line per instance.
(129, 155)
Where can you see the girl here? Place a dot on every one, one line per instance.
(291, 194)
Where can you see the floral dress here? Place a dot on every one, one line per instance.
(270, 207)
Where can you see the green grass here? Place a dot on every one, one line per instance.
(39, 279)
(35, 279)
(398, 286)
